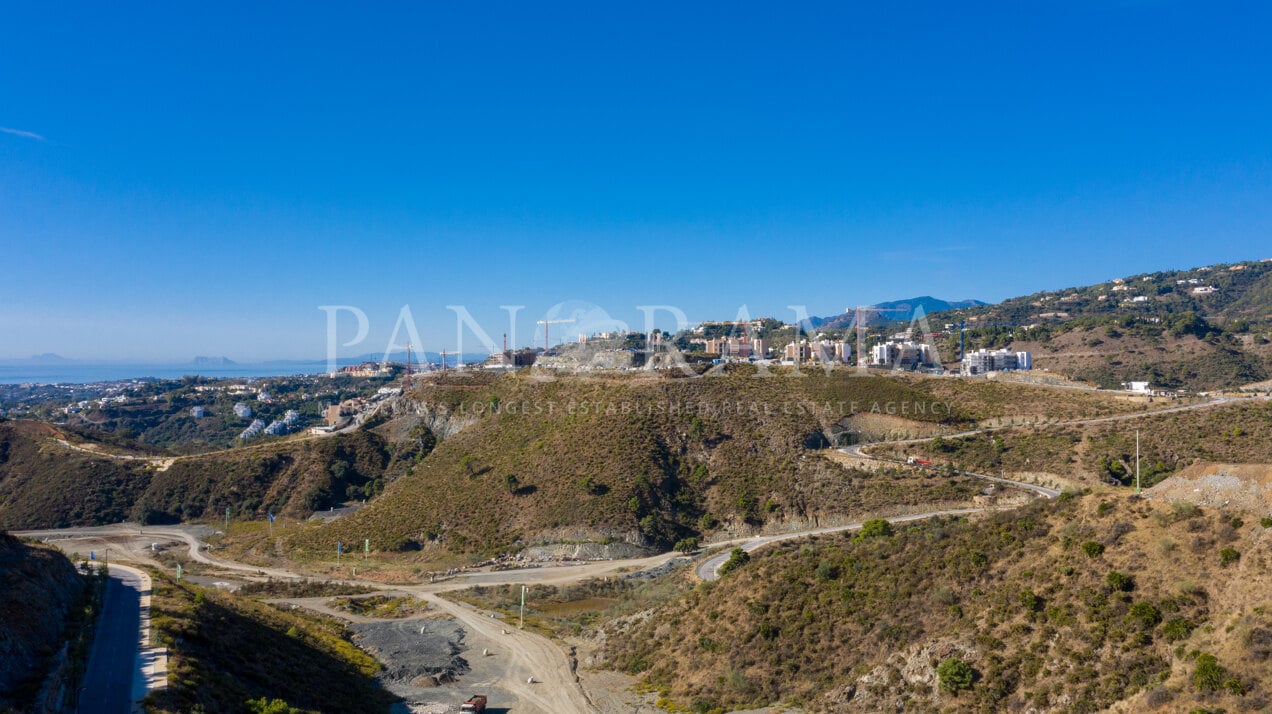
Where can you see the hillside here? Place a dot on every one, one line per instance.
(1104, 452)
(641, 460)
(45, 484)
(732, 450)
(225, 652)
(1205, 328)
(1069, 606)
(1242, 292)
(639, 472)
(39, 592)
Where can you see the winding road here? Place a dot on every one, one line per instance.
(555, 689)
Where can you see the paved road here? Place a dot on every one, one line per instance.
(113, 664)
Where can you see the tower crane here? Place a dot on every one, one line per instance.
(406, 382)
(545, 324)
(861, 327)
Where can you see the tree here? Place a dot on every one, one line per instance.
(687, 545)
(874, 528)
(737, 559)
(955, 675)
(512, 483)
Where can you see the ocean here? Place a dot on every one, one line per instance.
(72, 372)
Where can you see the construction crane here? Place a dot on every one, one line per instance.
(861, 327)
(545, 324)
(406, 382)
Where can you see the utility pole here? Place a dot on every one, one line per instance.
(1137, 459)
(522, 626)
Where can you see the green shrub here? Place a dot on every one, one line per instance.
(827, 570)
(1030, 600)
(1228, 556)
(737, 559)
(1146, 615)
(955, 675)
(1120, 582)
(1266, 521)
(274, 706)
(874, 528)
(1208, 675)
(687, 545)
(1177, 629)
(1093, 549)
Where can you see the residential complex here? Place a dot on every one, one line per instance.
(983, 361)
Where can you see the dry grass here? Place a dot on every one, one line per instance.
(1042, 624)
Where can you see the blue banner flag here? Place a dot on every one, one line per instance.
(271, 517)
(339, 548)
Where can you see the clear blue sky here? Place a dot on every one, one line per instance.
(181, 178)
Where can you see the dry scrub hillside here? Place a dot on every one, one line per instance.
(647, 460)
(1105, 452)
(45, 484)
(1078, 605)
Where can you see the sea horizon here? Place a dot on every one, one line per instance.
(76, 372)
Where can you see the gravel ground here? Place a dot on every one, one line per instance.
(416, 654)
(428, 670)
(1241, 487)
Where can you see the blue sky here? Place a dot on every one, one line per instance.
(183, 179)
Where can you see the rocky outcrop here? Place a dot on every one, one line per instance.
(440, 419)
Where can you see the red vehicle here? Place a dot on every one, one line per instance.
(918, 462)
(475, 703)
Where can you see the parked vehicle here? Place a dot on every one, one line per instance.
(475, 703)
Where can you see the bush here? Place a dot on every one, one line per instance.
(1228, 556)
(1120, 582)
(1209, 675)
(687, 545)
(827, 570)
(1093, 549)
(737, 559)
(275, 706)
(1177, 629)
(1146, 615)
(1030, 600)
(955, 675)
(1266, 522)
(874, 528)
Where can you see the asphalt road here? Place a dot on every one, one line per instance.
(113, 664)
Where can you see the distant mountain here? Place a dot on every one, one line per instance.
(202, 361)
(40, 359)
(929, 304)
(897, 310)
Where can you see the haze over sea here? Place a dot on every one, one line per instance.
(85, 372)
